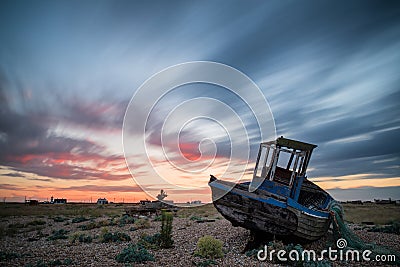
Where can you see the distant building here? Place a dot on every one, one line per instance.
(58, 200)
(144, 202)
(102, 201)
(384, 201)
(32, 202)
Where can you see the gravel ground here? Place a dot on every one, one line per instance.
(32, 243)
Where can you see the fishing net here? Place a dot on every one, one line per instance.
(341, 230)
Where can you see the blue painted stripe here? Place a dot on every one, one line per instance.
(300, 207)
(273, 201)
(270, 201)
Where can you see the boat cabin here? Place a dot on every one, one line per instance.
(280, 200)
(281, 166)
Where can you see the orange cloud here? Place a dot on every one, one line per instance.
(355, 181)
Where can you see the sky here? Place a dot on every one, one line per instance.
(68, 70)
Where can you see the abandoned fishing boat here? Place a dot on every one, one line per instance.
(279, 200)
(147, 207)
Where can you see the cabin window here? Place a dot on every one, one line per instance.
(282, 162)
(284, 159)
(290, 160)
(265, 161)
(279, 164)
(288, 164)
(263, 156)
(268, 162)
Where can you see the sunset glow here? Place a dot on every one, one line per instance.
(65, 85)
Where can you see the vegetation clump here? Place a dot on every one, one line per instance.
(85, 238)
(134, 254)
(126, 219)
(93, 225)
(166, 230)
(163, 239)
(79, 219)
(209, 247)
(137, 253)
(81, 237)
(158, 218)
(195, 218)
(252, 253)
(150, 241)
(393, 228)
(59, 219)
(58, 234)
(107, 237)
(141, 224)
(35, 223)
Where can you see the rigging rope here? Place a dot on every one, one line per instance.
(341, 230)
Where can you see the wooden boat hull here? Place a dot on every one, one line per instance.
(261, 211)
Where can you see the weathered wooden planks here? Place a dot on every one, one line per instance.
(243, 209)
(255, 215)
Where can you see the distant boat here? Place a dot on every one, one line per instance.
(147, 207)
(102, 201)
(280, 200)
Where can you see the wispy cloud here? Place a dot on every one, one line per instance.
(103, 189)
(329, 71)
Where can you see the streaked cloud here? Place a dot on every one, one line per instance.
(329, 71)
